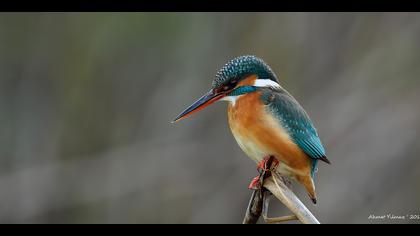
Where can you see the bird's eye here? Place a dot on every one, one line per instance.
(229, 85)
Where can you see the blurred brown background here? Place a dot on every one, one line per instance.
(86, 101)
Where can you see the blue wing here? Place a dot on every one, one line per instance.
(296, 121)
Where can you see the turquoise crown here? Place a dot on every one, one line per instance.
(242, 66)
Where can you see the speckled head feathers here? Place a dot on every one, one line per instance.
(242, 66)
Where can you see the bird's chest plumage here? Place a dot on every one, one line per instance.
(259, 134)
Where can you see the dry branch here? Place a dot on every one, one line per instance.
(289, 199)
(255, 206)
(272, 183)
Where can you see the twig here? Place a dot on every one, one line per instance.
(280, 219)
(289, 199)
(269, 220)
(254, 209)
(257, 202)
(272, 183)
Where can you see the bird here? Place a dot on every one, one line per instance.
(265, 120)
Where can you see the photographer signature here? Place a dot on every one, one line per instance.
(394, 217)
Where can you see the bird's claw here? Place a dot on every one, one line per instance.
(255, 183)
(264, 167)
(268, 163)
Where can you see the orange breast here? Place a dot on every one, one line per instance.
(259, 134)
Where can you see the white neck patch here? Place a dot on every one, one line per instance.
(231, 99)
(266, 83)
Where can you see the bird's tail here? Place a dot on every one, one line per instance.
(309, 185)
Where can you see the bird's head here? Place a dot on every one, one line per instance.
(239, 76)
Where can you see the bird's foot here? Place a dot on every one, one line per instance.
(268, 163)
(255, 183)
(264, 167)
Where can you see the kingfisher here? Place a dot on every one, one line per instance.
(266, 120)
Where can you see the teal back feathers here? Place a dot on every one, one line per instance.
(296, 122)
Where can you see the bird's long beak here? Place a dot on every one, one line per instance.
(207, 99)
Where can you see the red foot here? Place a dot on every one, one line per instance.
(255, 183)
(263, 165)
